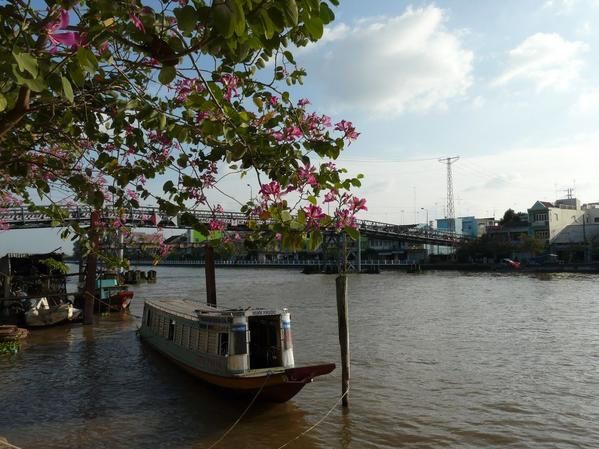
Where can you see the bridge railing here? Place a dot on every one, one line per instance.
(21, 217)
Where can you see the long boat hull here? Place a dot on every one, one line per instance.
(278, 386)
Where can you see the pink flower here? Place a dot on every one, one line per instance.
(278, 236)
(278, 136)
(201, 116)
(68, 38)
(293, 132)
(306, 174)
(358, 204)
(274, 100)
(186, 87)
(330, 196)
(132, 194)
(348, 129)
(272, 189)
(345, 219)
(230, 84)
(137, 22)
(216, 225)
(303, 102)
(314, 212)
(103, 48)
(164, 249)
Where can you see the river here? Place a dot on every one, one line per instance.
(438, 360)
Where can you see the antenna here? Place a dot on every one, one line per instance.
(450, 214)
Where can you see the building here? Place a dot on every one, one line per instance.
(547, 220)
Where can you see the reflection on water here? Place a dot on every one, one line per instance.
(438, 360)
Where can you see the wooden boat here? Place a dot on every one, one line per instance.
(10, 333)
(247, 351)
(113, 296)
(43, 314)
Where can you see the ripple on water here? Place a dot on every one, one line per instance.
(439, 360)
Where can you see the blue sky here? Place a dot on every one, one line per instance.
(512, 87)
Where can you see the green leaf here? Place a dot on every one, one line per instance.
(167, 74)
(326, 14)
(3, 102)
(315, 240)
(27, 63)
(223, 17)
(290, 12)
(353, 233)
(187, 18)
(36, 85)
(285, 216)
(87, 60)
(312, 199)
(314, 27)
(289, 56)
(67, 89)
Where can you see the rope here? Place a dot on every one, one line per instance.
(5, 444)
(242, 415)
(317, 422)
(127, 311)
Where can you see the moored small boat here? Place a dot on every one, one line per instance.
(113, 296)
(42, 314)
(248, 351)
(10, 333)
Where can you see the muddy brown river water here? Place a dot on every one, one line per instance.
(439, 360)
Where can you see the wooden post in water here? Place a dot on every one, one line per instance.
(210, 275)
(342, 316)
(89, 292)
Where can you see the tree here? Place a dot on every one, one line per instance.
(509, 217)
(532, 245)
(100, 100)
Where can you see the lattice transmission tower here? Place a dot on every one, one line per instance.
(450, 206)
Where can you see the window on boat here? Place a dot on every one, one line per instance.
(171, 330)
(223, 343)
(193, 338)
(148, 317)
(240, 340)
(178, 333)
(203, 339)
(212, 343)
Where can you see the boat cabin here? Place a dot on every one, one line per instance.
(219, 341)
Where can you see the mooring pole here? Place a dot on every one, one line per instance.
(210, 275)
(89, 293)
(342, 316)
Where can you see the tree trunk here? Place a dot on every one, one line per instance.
(89, 293)
(342, 316)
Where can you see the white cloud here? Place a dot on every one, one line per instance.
(391, 65)
(478, 102)
(587, 102)
(560, 6)
(547, 60)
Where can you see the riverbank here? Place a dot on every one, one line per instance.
(375, 266)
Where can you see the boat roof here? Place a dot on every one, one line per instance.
(195, 309)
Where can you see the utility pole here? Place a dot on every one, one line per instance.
(450, 205)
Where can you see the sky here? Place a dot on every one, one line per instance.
(510, 87)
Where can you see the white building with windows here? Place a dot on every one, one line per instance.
(547, 220)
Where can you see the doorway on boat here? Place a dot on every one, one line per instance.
(265, 341)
